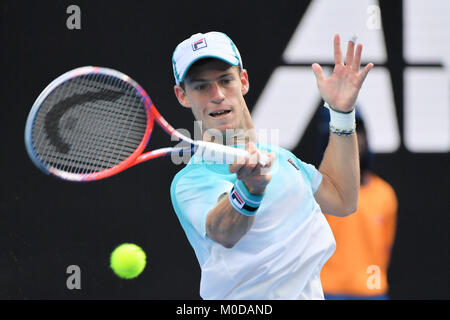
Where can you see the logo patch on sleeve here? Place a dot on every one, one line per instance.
(293, 164)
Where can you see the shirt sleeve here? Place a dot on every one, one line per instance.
(313, 176)
(193, 195)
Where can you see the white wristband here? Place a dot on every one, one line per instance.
(340, 122)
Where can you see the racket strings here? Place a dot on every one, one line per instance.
(64, 162)
(104, 139)
(100, 121)
(128, 129)
(115, 149)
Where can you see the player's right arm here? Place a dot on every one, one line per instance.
(224, 224)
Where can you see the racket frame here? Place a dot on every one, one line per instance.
(95, 175)
(206, 150)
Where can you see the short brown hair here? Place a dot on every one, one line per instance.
(195, 68)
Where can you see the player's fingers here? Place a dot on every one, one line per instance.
(318, 72)
(235, 167)
(272, 157)
(265, 170)
(253, 151)
(251, 147)
(350, 52)
(260, 172)
(364, 72)
(357, 60)
(337, 50)
(249, 168)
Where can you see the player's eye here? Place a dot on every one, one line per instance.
(226, 81)
(201, 87)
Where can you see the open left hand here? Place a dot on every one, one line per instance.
(341, 89)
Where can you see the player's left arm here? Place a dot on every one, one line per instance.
(338, 192)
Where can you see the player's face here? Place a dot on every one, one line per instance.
(216, 96)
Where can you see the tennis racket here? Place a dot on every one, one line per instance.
(92, 122)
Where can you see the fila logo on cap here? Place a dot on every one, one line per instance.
(199, 44)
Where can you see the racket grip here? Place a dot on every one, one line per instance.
(223, 154)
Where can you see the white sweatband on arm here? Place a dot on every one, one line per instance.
(341, 122)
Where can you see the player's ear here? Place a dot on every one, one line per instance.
(244, 81)
(181, 95)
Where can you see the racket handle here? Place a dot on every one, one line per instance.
(223, 154)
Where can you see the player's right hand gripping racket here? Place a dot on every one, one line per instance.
(91, 123)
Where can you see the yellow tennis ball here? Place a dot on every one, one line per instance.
(128, 260)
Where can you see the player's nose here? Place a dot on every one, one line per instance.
(216, 93)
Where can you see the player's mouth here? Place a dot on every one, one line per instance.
(220, 114)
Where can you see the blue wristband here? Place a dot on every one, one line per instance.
(243, 201)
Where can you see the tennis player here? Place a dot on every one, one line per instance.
(259, 234)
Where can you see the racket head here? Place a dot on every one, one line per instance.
(88, 124)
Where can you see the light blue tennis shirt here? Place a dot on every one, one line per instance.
(281, 256)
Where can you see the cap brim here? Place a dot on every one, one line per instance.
(231, 60)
